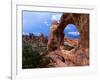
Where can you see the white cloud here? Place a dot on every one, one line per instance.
(46, 23)
(56, 17)
(37, 33)
(74, 33)
(24, 33)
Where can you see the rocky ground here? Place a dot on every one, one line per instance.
(65, 58)
(69, 52)
(36, 54)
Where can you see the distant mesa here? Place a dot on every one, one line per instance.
(71, 42)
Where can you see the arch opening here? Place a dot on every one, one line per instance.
(71, 37)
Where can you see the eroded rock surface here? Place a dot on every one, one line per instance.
(79, 56)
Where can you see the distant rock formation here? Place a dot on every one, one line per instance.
(72, 42)
(42, 38)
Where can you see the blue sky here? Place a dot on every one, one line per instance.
(39, 22)
(71, 31)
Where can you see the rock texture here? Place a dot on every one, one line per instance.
(79, 56)
(82, 23)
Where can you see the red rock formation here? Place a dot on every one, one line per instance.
(73, 42)
(52, 39)
(82, 23)
(80, 55)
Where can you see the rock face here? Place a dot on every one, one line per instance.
(80, 54)
(52, 39)
(82, 23)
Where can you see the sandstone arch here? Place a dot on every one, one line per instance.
(80, 55)
(82, 23)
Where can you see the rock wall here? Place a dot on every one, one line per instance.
(82, 23)
(79, 56)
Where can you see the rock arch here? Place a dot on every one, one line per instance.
(79, 56)
(82, 23)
